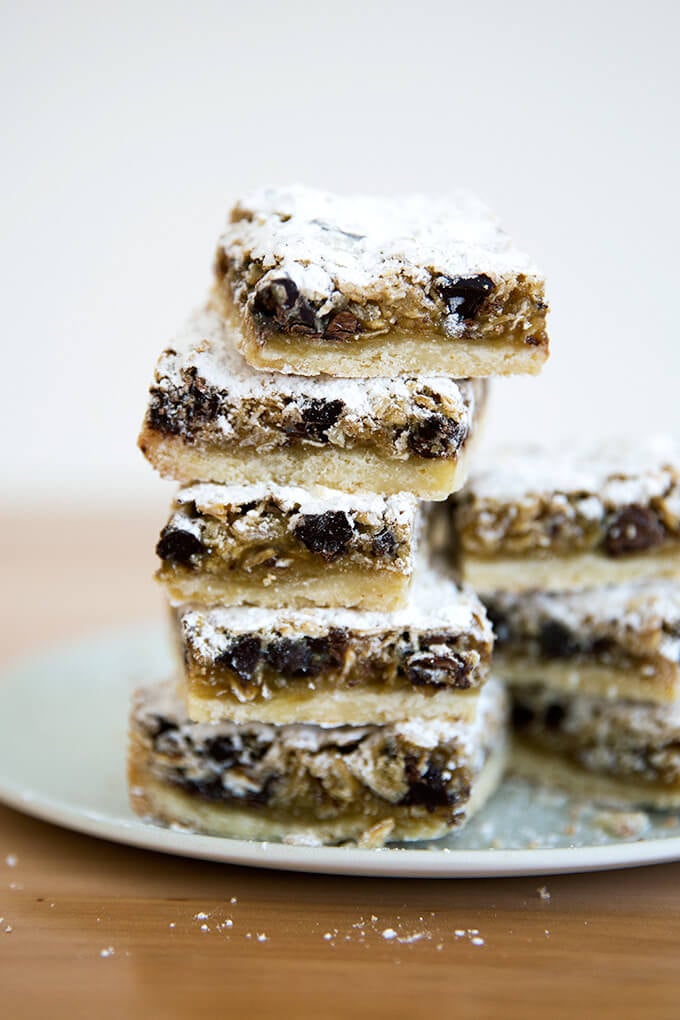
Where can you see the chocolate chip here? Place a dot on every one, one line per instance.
(553, 716)
(602, 647)
(327, 534)
(278, 303)
(214, 789)
(428, 788)
(633, 529)
(158, 724)
(178, 546)
(241, 657)
(556, 641)
(203, 404)
(464, 296)
(500, 624)
(342, 326)
(290, 656)
(385, 544)
(221, 749)
(522, 717)
(438, 671)
(336, 645)
(307, 656)
(318, 416)
(436, 436)
(275, 297)
(208, 789)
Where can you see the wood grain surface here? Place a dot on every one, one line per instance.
(91, 929)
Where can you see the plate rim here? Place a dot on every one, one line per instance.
(377, 862)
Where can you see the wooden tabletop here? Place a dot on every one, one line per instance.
(95, 930)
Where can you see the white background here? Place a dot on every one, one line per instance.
(129, 127)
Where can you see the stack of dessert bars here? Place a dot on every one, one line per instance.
(334, 681)
(578, 562)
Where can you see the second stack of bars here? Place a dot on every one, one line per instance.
(578, 562)
(335, 681)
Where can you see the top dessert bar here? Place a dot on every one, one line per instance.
(368, 286)
(212, 417)
(533, 519)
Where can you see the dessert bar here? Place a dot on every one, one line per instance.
(533, 519)
(266, 545)
(625, 751)
(338, 665)
(370, 286)
(309, 783)
(212, 417)
(618, 642)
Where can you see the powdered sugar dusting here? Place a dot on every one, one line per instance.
(208, 496)
(615, 472)
(365, 244)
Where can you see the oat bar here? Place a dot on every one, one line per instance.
(535, 519)
(369, 286)
(371, 784)
(618, 642)
(618, 750)
(266, 545)
(213, 417)
(338, 665)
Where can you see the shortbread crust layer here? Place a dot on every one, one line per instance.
(353, 470)
(533, 518)
(266, 545)
(369, 783)
(633, 748)
(622, 641)
(520, 574)
(362, 286)
(334, 705)
(213, 417)
(286, 665)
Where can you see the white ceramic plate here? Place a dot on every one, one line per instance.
(63, 719)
